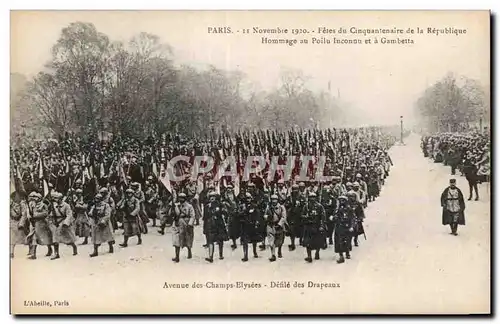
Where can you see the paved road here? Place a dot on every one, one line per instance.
(409, 264)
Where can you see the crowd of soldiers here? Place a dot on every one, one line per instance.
(468, 152)
(84, 189)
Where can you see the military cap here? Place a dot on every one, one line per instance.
(129, 191)
(312, 195)
(210, 194)
(134, 184)
(98, 196)
(103, 189)
(274, 197)
(79, 191)
(230, 187)
(302, 184)
(56, 194)
(266, 189)
(342, 197)
(358, 175)
(248, 195)
(348, 184)
(356, 184)
(78, 181)
(351, 194)
(453, 180)
(363, 165)
(150, 178)
(34, 194)
(251, 184)
(182, 195)
(295, 186)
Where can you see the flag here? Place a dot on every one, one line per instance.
(165, 178)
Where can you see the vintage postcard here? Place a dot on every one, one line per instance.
(250, 162)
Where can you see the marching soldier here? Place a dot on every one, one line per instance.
(164, 212)
(151, 201)
(361, 195)
(294, 205)
(143, 218)
(182, 230)
(41, 233)
(313, 219)
(330, 204)
(251, 226)
(108, 199)
(275, 217)
(193, 198)
(215, 228)
(100, 214)
(453, 204)
(230, 204)
(61, 223)
(82, 224)
(131, 207)
(344, 227)
(357, 213)
(18, 221)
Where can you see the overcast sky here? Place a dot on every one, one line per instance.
(382, 81)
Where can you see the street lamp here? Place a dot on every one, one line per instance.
(401, 118)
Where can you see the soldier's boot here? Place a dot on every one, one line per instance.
(279, 252)
(330, 241)
(291, 247)
(177, 252)
(341, 258)
(154, 222)
(455, 229)
(245, 252)
(309, 257)
(56, 252)
(111, 249)
(254, 246)
(316, 255)
(32, 255)
(234, 246)
(95, 253)
(273, 256)
(125, 242)
(75, 250)
(347, 255)
(221, 251)
(190, 256)
(49, 251)
(356, 241)
(85, 241)
(162, 230)
(452, 229)
(210, 253)
(139, 239)
(206, 243)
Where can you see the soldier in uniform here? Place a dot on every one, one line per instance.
(275, 217)
(131, 207)
(344, 227)
(313, 219)
(453, 204)
(182, 230)
(251, 226)
(108, 199)
(143, 217)
(263, 202)
(193, 198)
(151, 203)
(164, 212)
(294, 205)
(18, 221)
(82, 225)
(356, 210)
(61, 223)
(230, 204)
(282, 192)
(41, 233)
(361, 195)
(100, 214)
(215, 226)
(329, 201)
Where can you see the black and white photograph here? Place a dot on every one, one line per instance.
(250, 162)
